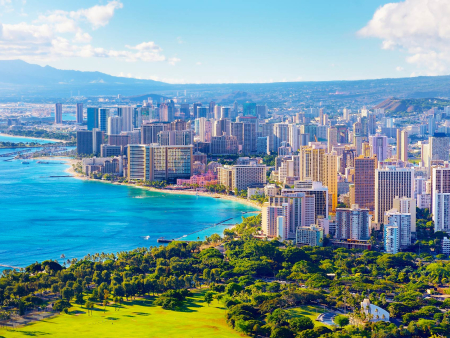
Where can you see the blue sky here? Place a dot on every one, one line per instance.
(213, 41)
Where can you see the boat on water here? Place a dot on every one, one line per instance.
(25, 162)
(163, 240)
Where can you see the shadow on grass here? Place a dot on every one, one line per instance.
(141, 313)
(77, 312)
(112, 318)
(34, 333)
(127, 316)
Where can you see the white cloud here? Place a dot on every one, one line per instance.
(173, 61)
(419, 28)
(198, 63)
(399, 69)
(98, 16)
(57, 34)
(180, 40)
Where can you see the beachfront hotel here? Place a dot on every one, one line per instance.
(159, 163)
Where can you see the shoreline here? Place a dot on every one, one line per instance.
(35, 138)
(78, 176)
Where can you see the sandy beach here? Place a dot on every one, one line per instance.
(36, 138)
(71, 162)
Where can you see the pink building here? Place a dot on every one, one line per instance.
(201, 180)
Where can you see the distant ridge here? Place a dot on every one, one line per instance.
(21, 81)
(395, 105)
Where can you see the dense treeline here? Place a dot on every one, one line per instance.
(258, 281)
(42, 133)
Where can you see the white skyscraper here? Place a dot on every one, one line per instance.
(114, 125)
(391, 182)
(402, 221)
(391, 239)
(127, 117)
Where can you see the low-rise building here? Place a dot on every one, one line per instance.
(309, 235)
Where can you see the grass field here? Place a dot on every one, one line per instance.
(138, 318)
(308, 311)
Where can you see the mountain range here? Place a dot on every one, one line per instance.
(20, 80)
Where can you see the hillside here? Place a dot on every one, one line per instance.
(395, 105)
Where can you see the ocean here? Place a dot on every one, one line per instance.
(43, 216)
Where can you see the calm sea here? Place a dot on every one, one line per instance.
(43, 217)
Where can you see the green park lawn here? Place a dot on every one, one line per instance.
(137, 318)
(309, 311)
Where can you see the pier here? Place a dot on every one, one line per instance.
(10, 266)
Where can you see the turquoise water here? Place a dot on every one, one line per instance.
(42, 217)
(6, 138)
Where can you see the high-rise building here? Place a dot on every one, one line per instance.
(402, 221)
(353, 223)
(294, 137)
(204, 129)
(84, 142)
(280, 134)
(121, 140)
(89, 142)
(184, 111)
(127, 114)
(296, 208)
(225, 113)
(164, 113)
(202, 112)
(224, 145)
(431, 125)
(217, 112)
(178, 125)
(212, 105)
(176, 137)
(267, 130)
(114, 125)
(379, 147)
(92, 118)
(440, 198)
(241, 177)
(391, 182)
(406, 205)
(402, 145)
(103, 119)
(320, 194)
(250, 109)
(262, 145)
(195, 108)
(346, 114)
(329, 171)
(221, 127)
(261, 112)
(149, 132)
(58, 113)
(159, 163)
(237, 130)
(249, 138)
(79, 113)
(439, 147)
(332, 138)
(364, 182)
(391, 239)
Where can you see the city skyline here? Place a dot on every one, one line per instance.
(252, 42)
